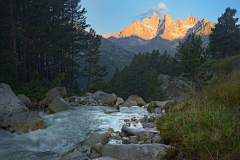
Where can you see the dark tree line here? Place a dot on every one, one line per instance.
(140, 77)
(42, 39)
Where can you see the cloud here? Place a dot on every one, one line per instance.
(160, 8)
(179, 4)
(144, 13)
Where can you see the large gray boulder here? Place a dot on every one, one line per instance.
(119, 101)
(139, 152)
(58, 105)
(50, 95)
(175, 87)
(129, 104)
(139, 100)
(22, 122)
(95, 138)
(109, 99)
(131, 131)
(9, 102)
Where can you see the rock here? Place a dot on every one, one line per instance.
(109, 99)
(94, 155)
(145, 135)
(133, 119)
(175, 87)
(26, 100)
(90, 100)
(9, 102)
(156, 104)
(145, 119)
(74, 154)
(50, 95)
(125, 140)
(131, 131)
(126, 120)
(132, 139)
(119, 101)
(97, 147)
(66, 99)
(108, 112)
(158, 110)
(157, 139)
(82, 100)
(34, 103)
(58, 105)
(152, 119)
(96, 137)
(139, 152)
(99, 95)
(129, 104)
(122, 134)
(23, 122)
(139, 100)
(148, 125)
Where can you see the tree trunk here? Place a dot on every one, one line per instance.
(25, 50)
(47, 72)
(89, 71)
(14, 43)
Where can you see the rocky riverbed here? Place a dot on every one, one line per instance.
(94, 126)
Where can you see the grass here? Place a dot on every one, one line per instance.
(207, 126)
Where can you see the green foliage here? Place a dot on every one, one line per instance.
(56, 82)
(224, 39)
(34, 89)
(207, 125)
(70, 94)
(191, 55)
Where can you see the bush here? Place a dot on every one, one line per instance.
(208, 125)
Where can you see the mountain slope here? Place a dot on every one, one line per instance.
(160, 34)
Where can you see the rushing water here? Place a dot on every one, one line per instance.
(64, 130)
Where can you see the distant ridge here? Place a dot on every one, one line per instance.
(165, 27)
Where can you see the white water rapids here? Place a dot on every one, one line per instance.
(64, 130)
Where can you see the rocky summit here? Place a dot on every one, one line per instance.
(165, 27)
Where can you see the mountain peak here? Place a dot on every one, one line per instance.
(153, 15)
(191, 20)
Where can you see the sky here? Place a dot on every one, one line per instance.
(110, 16)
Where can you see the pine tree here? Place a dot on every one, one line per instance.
(224, 39)
(93, 71)
(190, 55)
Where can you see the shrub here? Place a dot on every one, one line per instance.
(207, 126)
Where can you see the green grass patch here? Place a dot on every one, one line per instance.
(207, 126)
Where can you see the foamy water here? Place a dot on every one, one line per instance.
(64, 130)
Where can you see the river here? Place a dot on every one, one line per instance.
(64, 130)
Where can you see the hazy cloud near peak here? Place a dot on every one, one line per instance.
(179, 4)
(144, 13)
(160, 8)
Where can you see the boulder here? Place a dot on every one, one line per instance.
(145, 135)
(97, 147)
(132, 139)
(9, 102)
(75, 154)
(95, 138)
(59, 104)
(157, 104)
(157, 139)
(50, 95)
(129, 104)
(109, 99)
(26, 100)
(175, 87)
(139, 152)
(139, 100)
(119, 101)
(148, 125)
(23, 122)
(99, 95)
(131, 131)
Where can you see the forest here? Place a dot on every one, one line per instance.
(43, 41)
